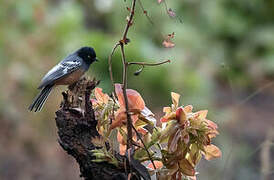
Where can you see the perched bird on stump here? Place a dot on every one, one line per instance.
(67, 72)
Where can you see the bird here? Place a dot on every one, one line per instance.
(66, 72)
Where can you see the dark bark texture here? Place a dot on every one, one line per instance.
(76, 124)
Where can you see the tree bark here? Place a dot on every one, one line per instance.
(76, 124)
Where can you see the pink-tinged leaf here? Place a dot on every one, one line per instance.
(202, 114)
(212, 133)
(122, 143)
(122, 149)
(211, 124)
(171, 13)
(212, 151)
(168, 44)
(135, 101)
(186, 139)
(120, 117)
(100, 96)
(159, 1)
(188, 108)
(94, 101)
(163, 120)
(186, 168)
(170, 116)
(173, 141)
(142, 131)
(175, 98)
(158, 165)
(167, 110)
(181, 115)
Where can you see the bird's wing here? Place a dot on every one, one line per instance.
(65, 67)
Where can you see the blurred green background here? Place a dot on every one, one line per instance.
(223, 61)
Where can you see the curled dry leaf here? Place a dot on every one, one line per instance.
(188, 108)
(212, 151)
(175, 98)
(186, 167)
(168, 43)
(171, 13)
(135, 101)
(100, 96)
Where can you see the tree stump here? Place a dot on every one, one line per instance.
(76, 124)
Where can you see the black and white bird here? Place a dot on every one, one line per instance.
(67, 72)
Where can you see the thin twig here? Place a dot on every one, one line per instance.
(150, 158)
(129, 23)
(145, 12)
(129, 121)
(122, 43)
(148, 64)
(110, 65)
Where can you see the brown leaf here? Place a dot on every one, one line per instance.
(186, 168)
(181, 115)
(135, 101)
(212, 151)
(168, 43)
(173, 141)
(175, 98)
(171, 13)
(100, 96)
(188, 108)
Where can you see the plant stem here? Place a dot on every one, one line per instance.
(129, 121)
(110, 65)
(148, 64)
(138, 135)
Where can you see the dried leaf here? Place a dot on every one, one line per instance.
(173, 141)
(186, 168)
(168, 42)
(120, 117)
(211, 124)
(202, 114)
(175, 98)
(167, 110)
(188, 108)
(100, 96)
(135, 101)
(212, 151)
(173, 169)
(181, 116)
(171, 13)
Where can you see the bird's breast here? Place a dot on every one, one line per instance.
(70, 78)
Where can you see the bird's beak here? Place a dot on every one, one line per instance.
(96, 59)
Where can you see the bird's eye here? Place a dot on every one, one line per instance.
(88, 56)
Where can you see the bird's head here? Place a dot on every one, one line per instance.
(87, 54)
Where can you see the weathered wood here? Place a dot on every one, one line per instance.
(76, 126)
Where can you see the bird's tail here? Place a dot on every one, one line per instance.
(41, 98)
